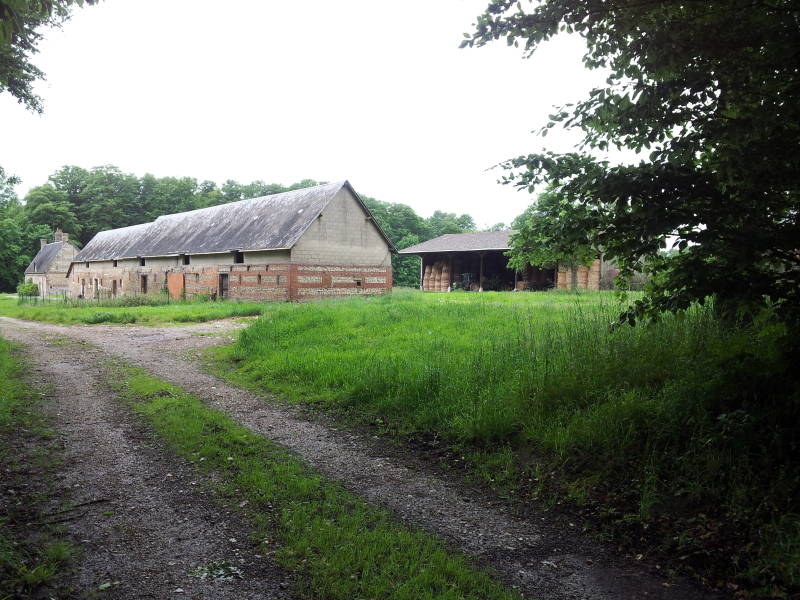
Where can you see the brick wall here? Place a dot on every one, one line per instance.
(245, 281)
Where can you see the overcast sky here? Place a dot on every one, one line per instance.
(372, 91)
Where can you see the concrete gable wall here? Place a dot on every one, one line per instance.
(62, 260)
(343, 235)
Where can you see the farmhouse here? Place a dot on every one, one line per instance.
(477, 262)
(307, 243)
(48, 269)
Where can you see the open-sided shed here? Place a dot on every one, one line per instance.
(477, 262)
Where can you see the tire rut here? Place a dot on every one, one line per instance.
(142, 520)
(540, 558)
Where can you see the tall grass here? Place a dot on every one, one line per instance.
(680, 417)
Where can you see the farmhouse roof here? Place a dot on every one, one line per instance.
(274, 222)
(463, 242)
(41, 262)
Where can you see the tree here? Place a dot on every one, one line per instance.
(442, 222)
(711, 89)
(55, 215)
(21, 22)
(545, 235)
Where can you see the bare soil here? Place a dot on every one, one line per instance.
(534, 553)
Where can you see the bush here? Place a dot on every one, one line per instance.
(27, 288)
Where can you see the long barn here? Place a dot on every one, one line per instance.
(313, 242)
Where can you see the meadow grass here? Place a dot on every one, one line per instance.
(28, 564)
(126, 310)
(339, 546)
(652, 425)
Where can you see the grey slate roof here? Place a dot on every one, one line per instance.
(267, 223)
(463, 242)
(45, 256)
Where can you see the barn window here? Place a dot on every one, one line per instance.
(196, 277)
(258, 279)
(238, 257)
(115, 263)
(358, 282)
(185, 259)
(86, 264)
(142, 261)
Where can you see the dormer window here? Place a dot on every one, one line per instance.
(142, 261)
(238, 257)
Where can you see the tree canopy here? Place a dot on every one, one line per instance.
(545, 235)
(21, 24)
(709, 90)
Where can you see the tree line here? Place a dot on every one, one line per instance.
(83, 202)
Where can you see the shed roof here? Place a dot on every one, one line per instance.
(44, 258)
(463, 242)
(272, 222)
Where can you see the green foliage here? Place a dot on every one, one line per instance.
(28, 289)
(645, 425)
(545, 235)
(711, 90)
(21, 22)
(341, 547)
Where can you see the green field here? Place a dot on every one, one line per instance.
(679, 431)
(145, 310)
(677, 437)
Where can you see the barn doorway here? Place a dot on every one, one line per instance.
(144, 284)
(113, 288)
(223, 285)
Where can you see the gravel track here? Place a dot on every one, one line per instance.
(142, 520)
(543, 559)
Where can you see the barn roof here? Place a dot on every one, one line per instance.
(274, 222)
(463, 242)
(41, 262)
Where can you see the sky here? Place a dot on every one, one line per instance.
(372, 91)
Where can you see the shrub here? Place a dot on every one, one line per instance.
(27, 288)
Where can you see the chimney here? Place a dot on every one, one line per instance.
(60, 236)
(42, 243)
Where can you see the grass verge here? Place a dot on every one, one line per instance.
(122, 311)
(679, 437)
(340, 547)
(32, 558)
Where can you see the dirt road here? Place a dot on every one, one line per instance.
(543, 559)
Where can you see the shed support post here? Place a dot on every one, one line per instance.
(421, 269)
(450, 275)
(480, 277)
